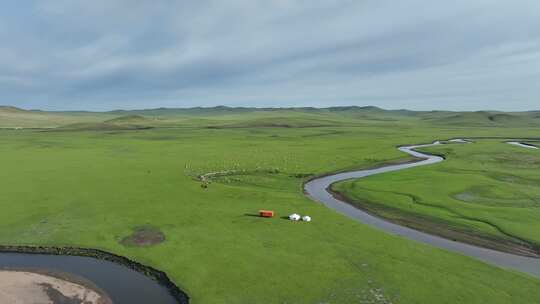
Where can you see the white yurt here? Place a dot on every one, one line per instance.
(294, 217)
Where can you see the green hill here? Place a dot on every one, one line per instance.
(98, 126)
(479, 118)
(11, 109)
(279, 122)
(128, 119)
(244, 117)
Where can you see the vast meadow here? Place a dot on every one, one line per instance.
(93, 179)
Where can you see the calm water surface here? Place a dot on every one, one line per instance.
(122, 284)
(316, 190)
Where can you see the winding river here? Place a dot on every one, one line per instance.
(125, 285)
(316, 189)
(122, 284)
(523, 145)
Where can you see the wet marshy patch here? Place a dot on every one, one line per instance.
(144, 236)
(496, 197)
(517, 160)
(513, 179)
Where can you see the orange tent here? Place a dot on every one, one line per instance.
(266, 213)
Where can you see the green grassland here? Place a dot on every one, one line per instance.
(485, 193)
(92, 182)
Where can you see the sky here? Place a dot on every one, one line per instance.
(133, 54)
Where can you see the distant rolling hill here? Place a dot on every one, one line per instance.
(98, 126)
(244, 117)
(12, 117)
(279, 122)
(482, 118)
(126, 122)
(129, 119)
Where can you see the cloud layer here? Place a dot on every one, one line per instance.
(416, 54)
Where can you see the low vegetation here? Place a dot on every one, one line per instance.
(486, 193)
(93, 188)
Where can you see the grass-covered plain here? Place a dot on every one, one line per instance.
(485, 193)
(94, 187)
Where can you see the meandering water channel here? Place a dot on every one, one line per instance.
(125, 285)
(316, 189)
(122, 284)
(523, 145)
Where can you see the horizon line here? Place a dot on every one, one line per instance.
(260, 108)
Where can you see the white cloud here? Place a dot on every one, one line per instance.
(399, 54)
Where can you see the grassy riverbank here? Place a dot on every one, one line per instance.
(93, 187)
(484, 193)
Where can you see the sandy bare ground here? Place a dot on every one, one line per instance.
(26, 287)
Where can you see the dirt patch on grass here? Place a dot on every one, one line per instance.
(144, 236)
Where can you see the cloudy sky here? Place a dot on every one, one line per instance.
(415, 54)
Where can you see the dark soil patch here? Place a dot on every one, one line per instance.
(144, 236)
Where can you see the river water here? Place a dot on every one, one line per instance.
(517, 143)
(316, 189)
(126, 286)
(122, 284)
